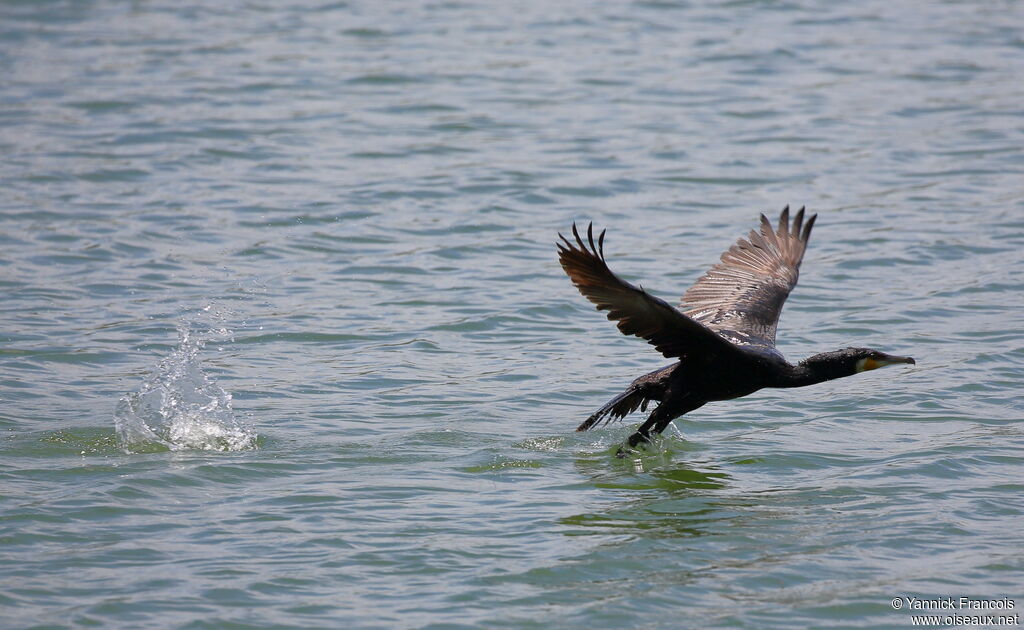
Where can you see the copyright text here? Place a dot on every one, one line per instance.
(959, 611)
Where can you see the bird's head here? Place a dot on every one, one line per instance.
(849, 361)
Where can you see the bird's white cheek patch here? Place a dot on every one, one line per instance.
(864, 365)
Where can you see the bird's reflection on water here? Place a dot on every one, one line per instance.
(663, 494)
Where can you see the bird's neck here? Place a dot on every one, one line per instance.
(807, 374)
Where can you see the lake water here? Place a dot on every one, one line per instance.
(284, 342)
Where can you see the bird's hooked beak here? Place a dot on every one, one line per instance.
(881, 361)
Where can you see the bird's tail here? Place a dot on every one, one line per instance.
(619, 407)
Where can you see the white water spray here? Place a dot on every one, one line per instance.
(179, 406)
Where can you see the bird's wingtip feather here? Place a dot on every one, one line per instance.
(807, 228)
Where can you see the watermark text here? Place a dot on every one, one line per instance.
(959, 611)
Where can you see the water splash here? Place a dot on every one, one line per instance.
(179, 406)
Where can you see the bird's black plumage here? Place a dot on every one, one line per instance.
(723, 334)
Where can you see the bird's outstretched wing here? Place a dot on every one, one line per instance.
(636, 312)
(741, 297)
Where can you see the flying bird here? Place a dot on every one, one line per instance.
(722, 336)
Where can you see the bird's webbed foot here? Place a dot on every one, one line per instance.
(634, 440)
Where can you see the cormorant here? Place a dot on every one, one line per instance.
(723, 333)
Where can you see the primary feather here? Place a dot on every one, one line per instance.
(635, 311)
(741, 297)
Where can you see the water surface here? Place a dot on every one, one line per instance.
(320, 238)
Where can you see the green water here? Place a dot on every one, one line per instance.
(310, 249)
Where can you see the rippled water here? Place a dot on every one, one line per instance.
(328, 230)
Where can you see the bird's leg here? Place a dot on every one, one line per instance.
(657, 421)
(639, 437)
(633, 441)
(642, 434)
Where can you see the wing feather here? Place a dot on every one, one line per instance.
(635, 311)
(745, 292)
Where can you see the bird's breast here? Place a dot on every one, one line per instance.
(721, 382)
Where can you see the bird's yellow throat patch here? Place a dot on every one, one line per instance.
(868, 364)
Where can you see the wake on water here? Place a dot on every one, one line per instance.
(179, 406)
